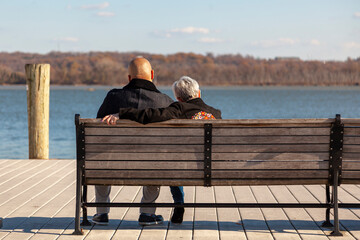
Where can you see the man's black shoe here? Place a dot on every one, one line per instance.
(146, 219)
(101, 219)
(178, 215)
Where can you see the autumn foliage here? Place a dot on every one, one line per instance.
(110, 68)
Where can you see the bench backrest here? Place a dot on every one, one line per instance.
(215, 152)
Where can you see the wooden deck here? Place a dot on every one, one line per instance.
(37, 201)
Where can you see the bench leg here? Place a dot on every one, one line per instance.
(85, 221)
(78, 230)
(336, 231)
(327, 222)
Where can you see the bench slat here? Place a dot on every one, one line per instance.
(216, 140)
(217, 131)
(269, 148)
(145, 156)
(215, 156)
(351, 174)
(200, 174)
(200, 182)
(145, 148)
(200, 165)
(271, 131)
(136, 131)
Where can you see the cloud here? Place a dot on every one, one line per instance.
(352, 45)
(281, 42)
(190, 30)
(67, 39)
(357, 15)
(314, 42)
(105, 14)
(210, 40)
(96, 6)
(180, 31)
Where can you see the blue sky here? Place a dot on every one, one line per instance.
(309, 29)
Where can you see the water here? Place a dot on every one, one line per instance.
(234, 102)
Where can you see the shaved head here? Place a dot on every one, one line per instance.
(140, 68)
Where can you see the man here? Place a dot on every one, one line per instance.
(189, 106)
(140, 93)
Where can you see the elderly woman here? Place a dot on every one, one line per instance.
(189, 106)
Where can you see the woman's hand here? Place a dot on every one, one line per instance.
(111, 119)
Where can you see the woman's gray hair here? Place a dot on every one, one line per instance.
(186, 88)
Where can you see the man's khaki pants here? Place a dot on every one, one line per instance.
(150, 194)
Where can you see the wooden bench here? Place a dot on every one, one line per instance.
(219, 153)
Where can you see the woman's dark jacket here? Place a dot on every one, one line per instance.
(182, 110)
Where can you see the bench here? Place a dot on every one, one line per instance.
(219, 153)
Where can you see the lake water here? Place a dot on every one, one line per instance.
(234, 102)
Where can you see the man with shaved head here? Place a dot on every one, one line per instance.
(139, 93)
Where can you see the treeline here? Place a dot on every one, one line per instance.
(110, 68)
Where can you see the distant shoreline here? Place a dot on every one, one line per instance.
(167, 87)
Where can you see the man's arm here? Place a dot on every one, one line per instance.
(150, 115)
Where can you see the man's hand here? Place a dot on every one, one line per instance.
(111, 119)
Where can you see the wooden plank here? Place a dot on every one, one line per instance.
(269, 148)
(351, 175)
(270, 156)
(129, 227)
(299, 217)
(348, 156)
(133, 131)
(159, 232)
(271, 140)
(214, 165)
(351, 131)
(271, 174)
(133, 156)
(270, 131)
(205, 220)
(351, 165)
(200, 140)
(351, 149)
(216, 156)
(316, 122)
(21, 172)
(229, 219)
(184, 230)
(216, 148)
(25, 178)
(144, 165)
(145, 148)
(348, 221)
(32, 224)
(133, 174)
(143, 140)
(200, 182)
(33, 198)
(116, 215)
(278, 222)
(219, 174)
(351, 140)
(252, 218)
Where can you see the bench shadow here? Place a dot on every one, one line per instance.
(32, 224)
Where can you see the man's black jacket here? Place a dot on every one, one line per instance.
(139, 94)
(182, 110)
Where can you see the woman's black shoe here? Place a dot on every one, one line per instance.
(177, 217)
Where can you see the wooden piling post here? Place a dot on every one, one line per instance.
(38, 91)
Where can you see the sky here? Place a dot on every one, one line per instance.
(309, 29)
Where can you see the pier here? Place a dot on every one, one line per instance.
(38, 202)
